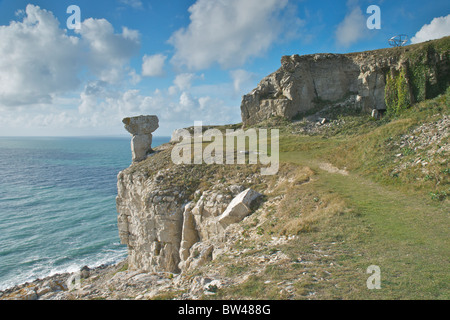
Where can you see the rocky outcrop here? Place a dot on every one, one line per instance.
(312, 82)
(141, 128)
(206, 221)
(168, 227)
(150, 220)
(305, 83)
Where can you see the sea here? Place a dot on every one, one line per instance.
(57, 205)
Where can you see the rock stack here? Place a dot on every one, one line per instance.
(141, 128)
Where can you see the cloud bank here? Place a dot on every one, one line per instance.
(229, 32)
(352, 28)
(40, 60)
(438, 28)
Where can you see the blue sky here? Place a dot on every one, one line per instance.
(182, 60)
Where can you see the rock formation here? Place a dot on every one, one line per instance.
(313, 82)
(166, 226)
(304, 83)
(141, 128)
(239, 208)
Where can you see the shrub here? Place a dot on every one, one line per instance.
(397, 95)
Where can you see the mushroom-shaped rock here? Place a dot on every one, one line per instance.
(141, 128)
(141, 125)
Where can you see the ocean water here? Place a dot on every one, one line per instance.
(57, 205)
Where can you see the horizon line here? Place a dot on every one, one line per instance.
(75, 136)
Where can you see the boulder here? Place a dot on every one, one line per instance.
(375, 114)
(239, 208)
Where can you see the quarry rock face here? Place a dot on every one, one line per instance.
(308, 82)
(141, 128)
(305, 83)
(360, 81)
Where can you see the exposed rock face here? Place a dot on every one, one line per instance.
(150, 222)
(313, 82)
(306, 82)
(164, 231)
(141, 128)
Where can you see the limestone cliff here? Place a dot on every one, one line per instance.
(174, 217)
(311, 82)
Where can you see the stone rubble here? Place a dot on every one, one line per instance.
(113, 282)
(428, 143)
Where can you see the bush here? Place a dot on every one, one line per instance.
(397, 95)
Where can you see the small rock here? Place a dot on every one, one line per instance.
(85, 272)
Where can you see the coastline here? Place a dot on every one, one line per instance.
(116, 282)
(55, 287)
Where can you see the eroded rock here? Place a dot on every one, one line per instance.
(141, 128)
(141, 125)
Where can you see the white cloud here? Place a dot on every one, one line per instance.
(184, 81)
(134, 77)
(153, 66)
(108, 106)
(228, 32)
(353, 28)
(438, 28)
(109, 52)
(40, 61)
(41, 92)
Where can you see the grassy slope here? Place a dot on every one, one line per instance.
(406, 231)
(379, 219)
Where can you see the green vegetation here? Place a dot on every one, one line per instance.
(424, 75)
(427, 82)
(387, 212)
(397, 94)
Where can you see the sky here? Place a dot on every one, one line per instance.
(69, 74)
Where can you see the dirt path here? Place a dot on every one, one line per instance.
(407, 233)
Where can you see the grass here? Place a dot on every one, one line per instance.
(406, 236)
(365, 224)
(346, 223)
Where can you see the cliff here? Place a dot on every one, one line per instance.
(174, 217)
(183, 219)
(363, 81)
